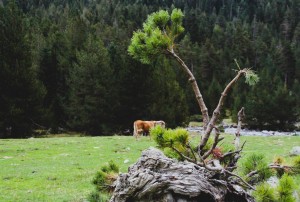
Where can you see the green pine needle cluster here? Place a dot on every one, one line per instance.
(103, 180)
(256, 162)
(157, 36)
(285, 189)
(106, 176)
(170, 140)
(251, 77)
(264, 193)
(296, 165)
(281, 193)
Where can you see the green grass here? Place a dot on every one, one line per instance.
(195, 124)
(61, 169)
(270, 147)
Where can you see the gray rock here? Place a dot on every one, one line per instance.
(273, 181)
(295, 151)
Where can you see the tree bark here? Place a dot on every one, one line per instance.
(154, 177)
(217, 111)
(196, 89)
(241, 116)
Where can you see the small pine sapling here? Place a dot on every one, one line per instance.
(285, 189)
(103, 182)
(264, 193)
(255, 168)
(296, 165)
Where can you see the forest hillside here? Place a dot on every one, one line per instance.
(65, 65)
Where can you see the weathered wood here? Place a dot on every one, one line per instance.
(195, 87)
(154, 177)
(217, 111)
(241, 116)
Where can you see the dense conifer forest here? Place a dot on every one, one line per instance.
(65, 65)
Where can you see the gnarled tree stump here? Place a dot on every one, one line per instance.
(155, 177)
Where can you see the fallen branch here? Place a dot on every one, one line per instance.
(192, 151)
(235, 175)
(234, 152)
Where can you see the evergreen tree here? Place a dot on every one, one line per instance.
(270, 104)
(92, 100)
(261, 34)
(21, 93)
(285, 61)
(53, 72)
(168, 101)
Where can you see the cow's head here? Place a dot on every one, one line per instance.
(161, 123)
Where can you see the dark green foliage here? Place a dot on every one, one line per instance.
(53, 70)
(91, 89)
(167, 101)
(195, 117)
(21, 92)
(43, 45)
(214, 90)
(271, 105)
(100, 181)
(256, 162)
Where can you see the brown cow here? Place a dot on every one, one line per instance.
(140, 127)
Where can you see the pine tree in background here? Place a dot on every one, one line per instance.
(92, 99)
(271, 105)
(261, 34)
(168, 100)
(21, 93)
(53, 71)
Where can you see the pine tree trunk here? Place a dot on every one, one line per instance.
(195, 87)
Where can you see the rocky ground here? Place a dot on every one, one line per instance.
(246, 132)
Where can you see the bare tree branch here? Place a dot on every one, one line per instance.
(192, 151)
(235, 175)
(234, 152)
(194, 84)
(216, 141)
(217, 111)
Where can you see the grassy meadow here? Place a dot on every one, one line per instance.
(62, 168)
